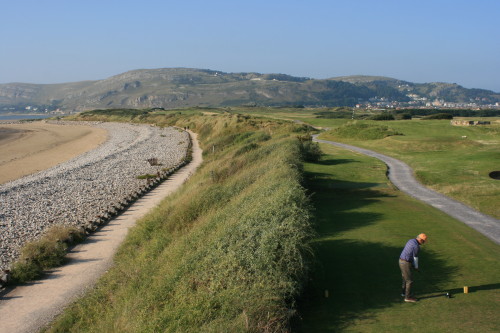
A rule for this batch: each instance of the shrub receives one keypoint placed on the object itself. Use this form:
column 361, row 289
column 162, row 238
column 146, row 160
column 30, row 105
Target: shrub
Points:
column 363, row 131
column 47, row 252
column 24, row 271
column 146, row 176
column 382, row 116
column 246, row 148
column 438, row 116
column 311, row 152
column 403, row 116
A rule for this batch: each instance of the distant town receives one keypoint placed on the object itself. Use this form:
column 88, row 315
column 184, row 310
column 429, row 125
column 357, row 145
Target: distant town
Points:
column 35, row 110
column 417, row 101
column 375, row 103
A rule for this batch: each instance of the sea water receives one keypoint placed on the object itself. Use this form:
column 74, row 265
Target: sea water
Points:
column 24, row 116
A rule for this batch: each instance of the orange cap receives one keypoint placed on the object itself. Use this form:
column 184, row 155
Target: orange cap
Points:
column 422, row 237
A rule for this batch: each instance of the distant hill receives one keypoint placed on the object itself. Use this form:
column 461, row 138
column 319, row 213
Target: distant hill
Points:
column 184, row 87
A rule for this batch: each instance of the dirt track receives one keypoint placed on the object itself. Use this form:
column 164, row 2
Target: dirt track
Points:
column 30, row 307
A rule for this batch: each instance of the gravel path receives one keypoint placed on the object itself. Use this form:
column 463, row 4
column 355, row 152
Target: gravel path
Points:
column 88, row 189
column 401, row 175
column 29, row 308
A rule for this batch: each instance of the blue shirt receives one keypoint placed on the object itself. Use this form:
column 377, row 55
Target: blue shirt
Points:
column 410, row 250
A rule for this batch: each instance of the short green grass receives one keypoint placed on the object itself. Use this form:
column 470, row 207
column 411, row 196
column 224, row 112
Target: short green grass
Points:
column 454, row 160
column 363, row 224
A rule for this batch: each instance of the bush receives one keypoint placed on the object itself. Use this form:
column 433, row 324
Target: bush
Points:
column 382, row 116
column 147, row 176
column 311, row 152
column 363, row 131
column 438, row 116
column 47, row 252
column 24, row 271
column 403, row 116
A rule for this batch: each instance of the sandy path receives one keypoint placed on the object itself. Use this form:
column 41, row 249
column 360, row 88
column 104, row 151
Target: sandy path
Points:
column 401, row 175
column 28, row 308
column 26, row 148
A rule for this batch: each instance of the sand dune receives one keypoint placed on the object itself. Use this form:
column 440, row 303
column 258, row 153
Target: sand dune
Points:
column 26, row 148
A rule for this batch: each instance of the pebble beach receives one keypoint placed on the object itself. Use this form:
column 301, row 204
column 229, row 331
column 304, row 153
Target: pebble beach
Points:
column 87, row 190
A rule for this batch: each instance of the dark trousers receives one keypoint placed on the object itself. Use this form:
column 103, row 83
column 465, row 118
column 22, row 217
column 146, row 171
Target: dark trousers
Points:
column 405, row 267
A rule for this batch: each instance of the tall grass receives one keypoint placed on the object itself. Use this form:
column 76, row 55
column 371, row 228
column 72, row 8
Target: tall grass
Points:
column 48, row 251
column 226, row 253
column 364, row 131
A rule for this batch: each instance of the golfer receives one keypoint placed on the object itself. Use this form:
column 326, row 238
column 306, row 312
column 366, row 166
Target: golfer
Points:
column 408, row 260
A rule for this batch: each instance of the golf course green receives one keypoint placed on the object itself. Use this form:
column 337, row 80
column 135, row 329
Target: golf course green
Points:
column 363, row 224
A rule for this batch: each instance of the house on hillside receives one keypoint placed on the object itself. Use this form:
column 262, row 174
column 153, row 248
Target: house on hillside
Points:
column 469, row 122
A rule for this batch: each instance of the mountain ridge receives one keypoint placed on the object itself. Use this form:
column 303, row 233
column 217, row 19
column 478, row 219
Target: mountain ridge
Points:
column 185, row 87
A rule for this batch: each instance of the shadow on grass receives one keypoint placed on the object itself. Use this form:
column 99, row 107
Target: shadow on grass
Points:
column 336, row 161
column 450, row 293
column 316, row 181
column 473, row 289
column 354, row 278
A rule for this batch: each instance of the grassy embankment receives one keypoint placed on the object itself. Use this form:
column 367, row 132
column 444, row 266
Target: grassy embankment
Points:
column 226, row 253
column 363, row 224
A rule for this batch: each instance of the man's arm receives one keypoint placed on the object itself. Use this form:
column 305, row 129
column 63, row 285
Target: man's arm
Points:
column 415, row 251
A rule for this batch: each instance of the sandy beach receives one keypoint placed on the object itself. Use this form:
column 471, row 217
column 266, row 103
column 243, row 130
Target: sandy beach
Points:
column 26, row 148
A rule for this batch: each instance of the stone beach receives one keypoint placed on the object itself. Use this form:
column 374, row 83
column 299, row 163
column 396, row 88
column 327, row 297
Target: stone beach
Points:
column 89, row 189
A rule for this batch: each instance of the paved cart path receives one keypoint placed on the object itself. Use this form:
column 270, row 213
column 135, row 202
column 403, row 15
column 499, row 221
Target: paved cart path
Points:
column 401, row 175
column 30, row 307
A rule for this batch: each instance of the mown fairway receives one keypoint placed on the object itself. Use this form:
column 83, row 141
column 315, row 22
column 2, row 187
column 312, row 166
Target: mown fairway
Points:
column 453, row 160
column 362, row 225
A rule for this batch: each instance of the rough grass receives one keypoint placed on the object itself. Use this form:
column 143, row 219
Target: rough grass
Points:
column 47, row 252
column 363, row 131
column 362, row 226
column 226, row 253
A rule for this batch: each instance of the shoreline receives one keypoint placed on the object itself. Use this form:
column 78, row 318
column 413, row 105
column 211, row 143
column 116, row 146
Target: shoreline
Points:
column 27, row 148
column 31, row 307
column 87, row 190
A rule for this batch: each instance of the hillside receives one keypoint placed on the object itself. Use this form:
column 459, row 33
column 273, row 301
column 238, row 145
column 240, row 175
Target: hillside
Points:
column 183, row 87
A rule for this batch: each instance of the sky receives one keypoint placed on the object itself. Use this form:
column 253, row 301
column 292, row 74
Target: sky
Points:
column 56, row 41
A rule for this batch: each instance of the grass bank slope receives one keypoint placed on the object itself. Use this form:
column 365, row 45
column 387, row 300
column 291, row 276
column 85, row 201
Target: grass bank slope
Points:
column 362, row 225
column 226, row 253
